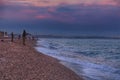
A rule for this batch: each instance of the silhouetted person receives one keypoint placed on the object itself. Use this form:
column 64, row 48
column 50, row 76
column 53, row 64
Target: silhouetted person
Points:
column 24, row 36
column 19, row 36
column 12, row 37
column 33, row 38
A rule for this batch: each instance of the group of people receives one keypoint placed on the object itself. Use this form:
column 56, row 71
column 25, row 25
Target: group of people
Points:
column 24, row 34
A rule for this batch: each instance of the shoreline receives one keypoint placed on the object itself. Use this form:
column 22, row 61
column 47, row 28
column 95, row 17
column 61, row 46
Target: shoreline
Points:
column 26, row 63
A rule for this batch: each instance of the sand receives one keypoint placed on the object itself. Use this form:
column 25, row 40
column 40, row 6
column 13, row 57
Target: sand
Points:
column 18, row 62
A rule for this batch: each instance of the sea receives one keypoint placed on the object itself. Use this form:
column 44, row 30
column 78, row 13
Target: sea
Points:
column 93, row 59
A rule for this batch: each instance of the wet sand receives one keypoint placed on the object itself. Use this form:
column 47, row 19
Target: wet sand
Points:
column 18, row 62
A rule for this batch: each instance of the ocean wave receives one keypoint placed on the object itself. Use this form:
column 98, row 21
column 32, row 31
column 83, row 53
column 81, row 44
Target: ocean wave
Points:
column 86, row 63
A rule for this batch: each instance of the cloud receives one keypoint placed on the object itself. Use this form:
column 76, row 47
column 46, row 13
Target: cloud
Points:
column 41, row 17
column 64, row 18
column 117, row 1
column 1, row 2
column 65, row 13
column 29, row 11
column 10, row 12
column 50, row 3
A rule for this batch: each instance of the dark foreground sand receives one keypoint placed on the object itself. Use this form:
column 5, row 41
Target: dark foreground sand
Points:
column 18, row 62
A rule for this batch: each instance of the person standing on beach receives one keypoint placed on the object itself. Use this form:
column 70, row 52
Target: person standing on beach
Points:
column 19, row 36
column 24, row 36
column 12, row 37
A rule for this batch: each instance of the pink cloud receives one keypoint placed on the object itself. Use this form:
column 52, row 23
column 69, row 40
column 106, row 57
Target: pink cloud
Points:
column 1, row 2
column 51, row 9
column 18, row 15
column 50, row 3
column 29, row 11
column 42, row 16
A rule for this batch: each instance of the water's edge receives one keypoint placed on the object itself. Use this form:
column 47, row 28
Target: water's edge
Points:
column 89, row 71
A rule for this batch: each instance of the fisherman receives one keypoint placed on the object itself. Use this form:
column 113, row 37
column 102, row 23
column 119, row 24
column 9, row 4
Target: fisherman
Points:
column 24, row 36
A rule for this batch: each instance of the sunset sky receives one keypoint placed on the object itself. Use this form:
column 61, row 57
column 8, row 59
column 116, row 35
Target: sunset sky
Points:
column 61, row 17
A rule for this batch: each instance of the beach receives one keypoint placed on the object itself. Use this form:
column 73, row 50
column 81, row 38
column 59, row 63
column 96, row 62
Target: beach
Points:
column 18, row 62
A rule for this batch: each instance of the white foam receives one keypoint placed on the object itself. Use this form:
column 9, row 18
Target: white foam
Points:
column 90, row 71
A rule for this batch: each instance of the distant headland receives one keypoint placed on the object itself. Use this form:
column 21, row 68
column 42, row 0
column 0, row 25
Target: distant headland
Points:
column 77, row 37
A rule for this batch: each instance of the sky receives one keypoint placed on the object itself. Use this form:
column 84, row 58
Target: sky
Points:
column 61, row 17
